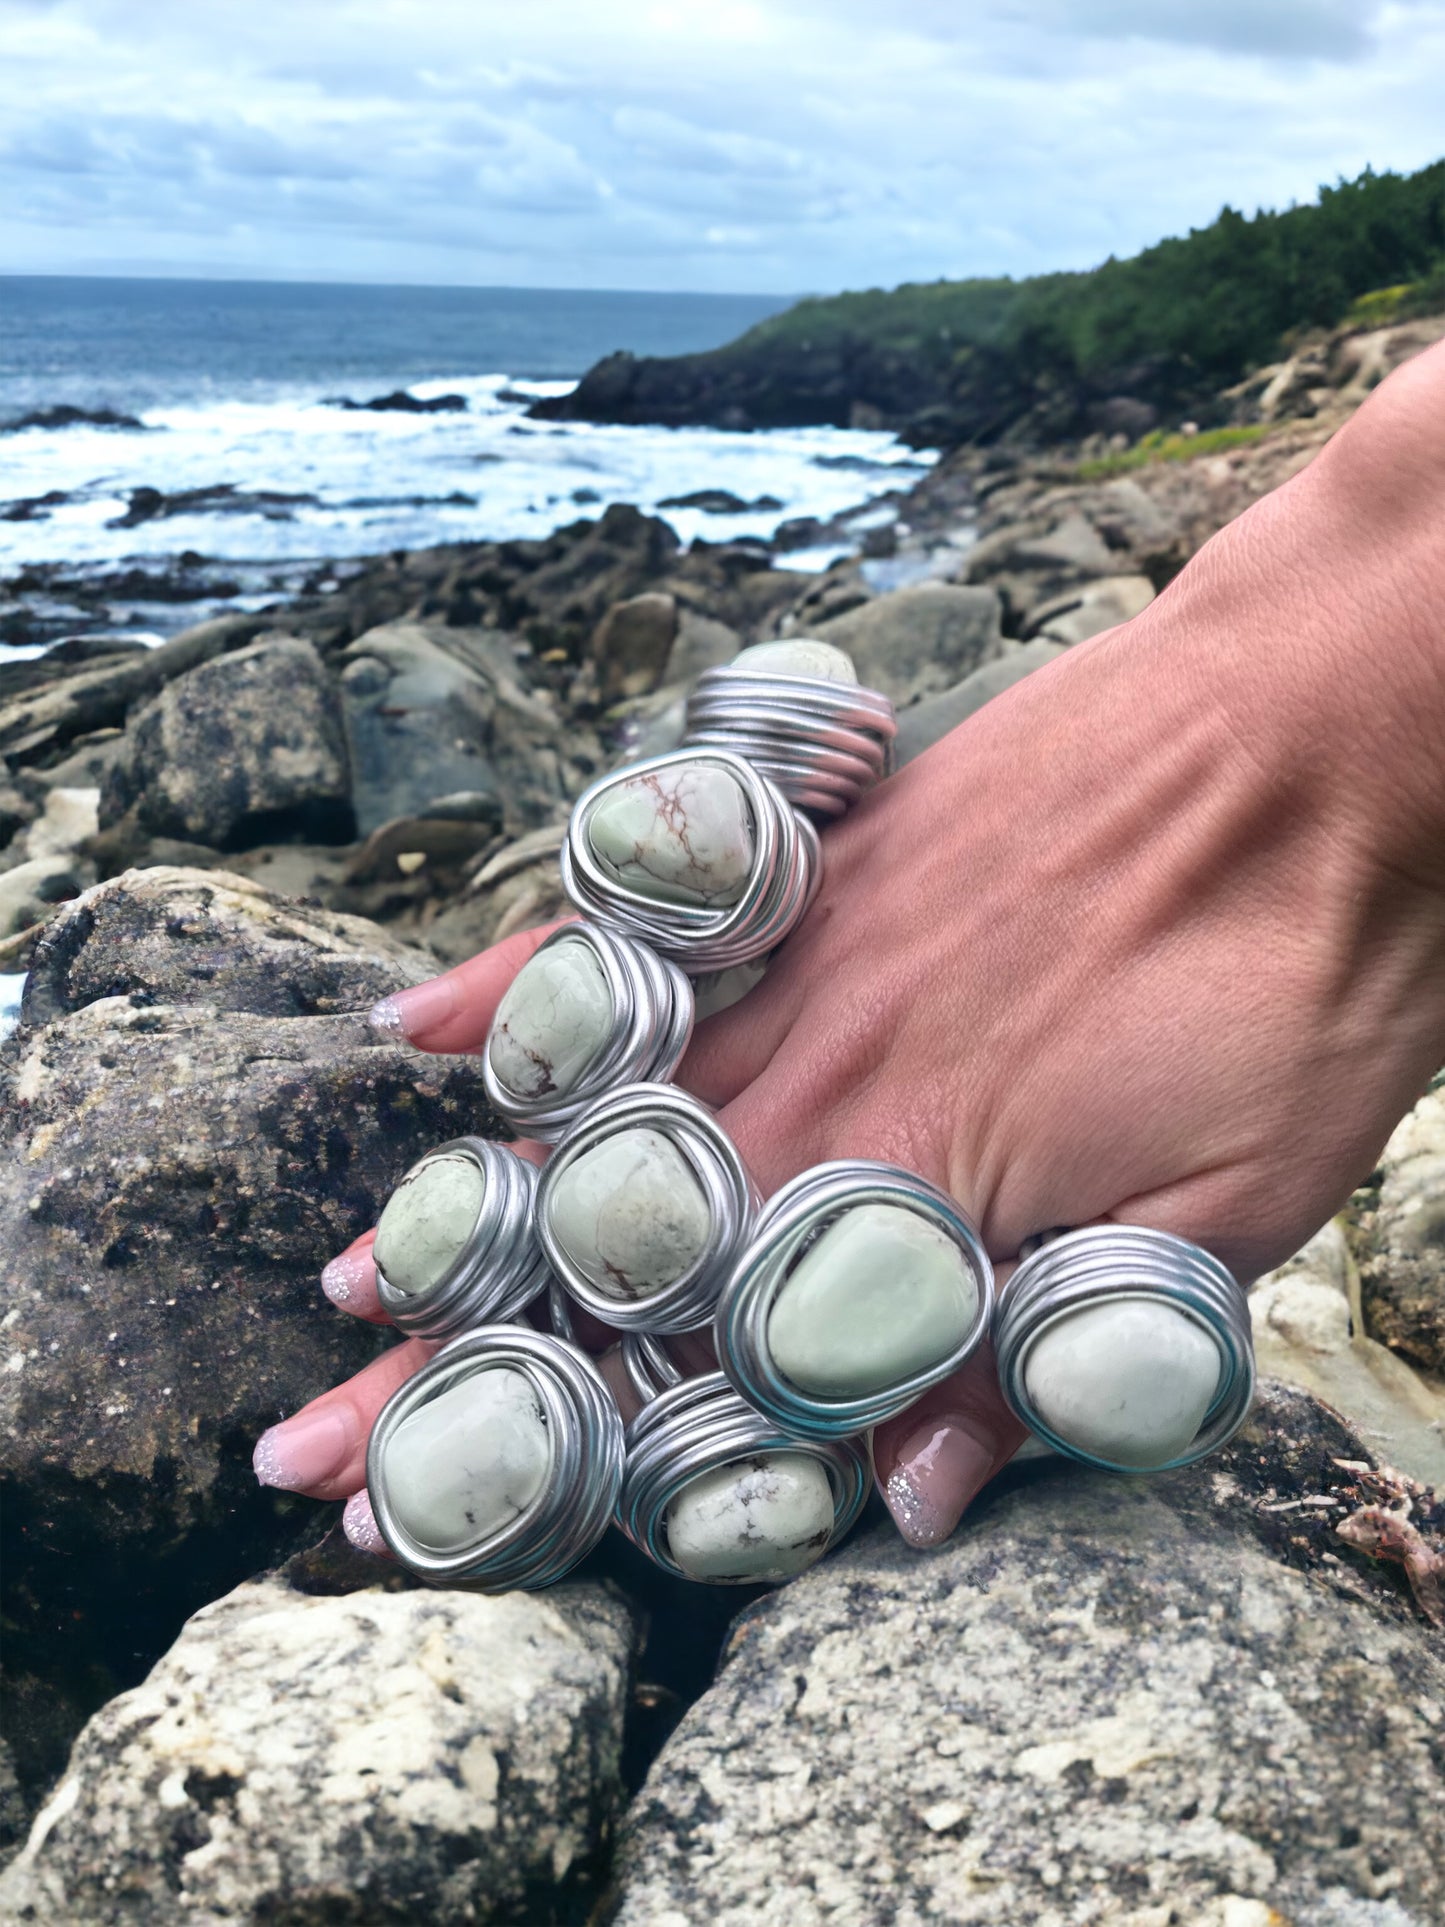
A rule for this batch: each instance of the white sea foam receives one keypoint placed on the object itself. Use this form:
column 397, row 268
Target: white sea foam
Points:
column 12, row 987
column 383, row 481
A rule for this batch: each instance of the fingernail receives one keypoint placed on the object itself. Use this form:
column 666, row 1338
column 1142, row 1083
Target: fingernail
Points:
column 350, row 1279
column 412, row 1013
column 303, row 1451
column 940, row 1469
column 358, row 1522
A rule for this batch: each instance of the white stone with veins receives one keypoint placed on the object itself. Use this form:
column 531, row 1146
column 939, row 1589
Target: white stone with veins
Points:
column 555, row 1017
column 1128, row 1381
column 682, row 834
column 427, row 1220
column 761, row 1518
column 469, row 1460
column 630, row 1213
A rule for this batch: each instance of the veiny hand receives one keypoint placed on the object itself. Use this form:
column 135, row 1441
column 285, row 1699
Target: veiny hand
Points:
column 1159, row 936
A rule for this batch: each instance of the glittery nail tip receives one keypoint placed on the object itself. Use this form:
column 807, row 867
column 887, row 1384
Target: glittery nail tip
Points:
column 267, row 1463
column 341, row 1279
column 358, row 1522
column 385, row 1017
column 918, row 1521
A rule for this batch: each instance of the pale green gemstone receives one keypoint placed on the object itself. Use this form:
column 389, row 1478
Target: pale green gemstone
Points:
column 798, row 656
column 881, row 1295
column 427, row 1220
column 681, row 834
column 1128, row 1381
column 468, row 1461
column 630, row 1214
column 757, row 1519
column 555, row 1017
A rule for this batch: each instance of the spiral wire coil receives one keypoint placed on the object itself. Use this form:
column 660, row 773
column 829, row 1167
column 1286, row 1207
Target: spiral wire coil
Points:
column 652, row 1012
column 785, row 873
column 584, row 1479
column 498, row 1271
column 731, row 1196
column 700, row 1425
column 1113, row 1262
column 792, row 1220
column 824, row 743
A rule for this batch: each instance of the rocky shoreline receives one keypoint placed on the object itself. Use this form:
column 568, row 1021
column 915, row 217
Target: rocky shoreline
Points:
column 216, row 854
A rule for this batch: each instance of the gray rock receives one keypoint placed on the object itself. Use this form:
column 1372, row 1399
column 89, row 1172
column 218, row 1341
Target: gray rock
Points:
column 920, row 727
column 629, row 649
column 379, row 1757
column 29, row 892
column 243, row 750
column 702, row 643
column 1403, row 1263
column 1103, row 1700
column 192, row 1121
column 1091, row 608
column 519, row 887
column 917, row 641
column 63, row 826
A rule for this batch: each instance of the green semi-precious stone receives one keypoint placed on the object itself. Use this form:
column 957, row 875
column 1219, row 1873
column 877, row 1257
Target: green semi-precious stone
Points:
column 427, row 1220
column 760, row 1518
column 468, row 1461
column 797, row 656
column 630, row 1214
column 554, row 1019
column 1128, row 1380
column 882, row 1294
column 682, row 834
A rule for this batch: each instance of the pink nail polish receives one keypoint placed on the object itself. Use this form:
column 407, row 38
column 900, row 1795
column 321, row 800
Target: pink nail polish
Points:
column 350, row 1280
column 940, row 1469
column 358, row 1522
column 303, row 1451
column 411, row 1013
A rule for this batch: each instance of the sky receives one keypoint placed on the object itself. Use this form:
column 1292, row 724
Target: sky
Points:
column 778, row 146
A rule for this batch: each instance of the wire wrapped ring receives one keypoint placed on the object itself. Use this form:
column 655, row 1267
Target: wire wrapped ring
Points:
column 789, row 1222
column 584, row 1479
column 824, row 743
column 498, row 1271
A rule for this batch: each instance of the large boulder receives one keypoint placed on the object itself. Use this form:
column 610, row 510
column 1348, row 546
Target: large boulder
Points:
column 1104, row 1700
column 245, row 749
column 916, row 641
column 1403, row 1267
column 630, row 647
column 375, row 1757
column 194, row 1117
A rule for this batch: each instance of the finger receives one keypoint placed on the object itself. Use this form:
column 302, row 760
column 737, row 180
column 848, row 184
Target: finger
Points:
column 933, row 1460
column 728, row 1051
column 321, row 1450
column 349, row 1281
column 454, row 1012
column 358, row 1522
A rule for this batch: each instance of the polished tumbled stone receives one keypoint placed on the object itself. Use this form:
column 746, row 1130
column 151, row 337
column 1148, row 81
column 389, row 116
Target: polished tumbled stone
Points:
column 554, row 1019
column 799, row 656
column 427, row 1220
column 469, row 1461
column 882, row 1294
column 757, row 1519
column 630, row 1214
column 682, row 834
column 1128, row 1381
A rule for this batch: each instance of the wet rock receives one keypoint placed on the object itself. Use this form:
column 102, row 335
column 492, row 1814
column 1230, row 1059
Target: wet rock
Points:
column 401, row 402
column 66, row 415
column 1102, row 1700
column 917, row 641
column 193, row 1119
column 224, row 498
column 244, row 750
column 374, row 1756
column 630, row 647
column 926, row 723
column 1308, row 1331
column 1403, row 1247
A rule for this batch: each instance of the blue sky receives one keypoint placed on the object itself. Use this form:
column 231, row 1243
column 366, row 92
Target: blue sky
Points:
column 770, row 145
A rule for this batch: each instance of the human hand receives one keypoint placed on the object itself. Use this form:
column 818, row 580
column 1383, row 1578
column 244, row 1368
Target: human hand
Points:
column 1156, row 936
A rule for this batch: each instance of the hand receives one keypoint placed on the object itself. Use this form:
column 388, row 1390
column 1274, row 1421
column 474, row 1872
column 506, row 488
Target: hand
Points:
column 1156, row 936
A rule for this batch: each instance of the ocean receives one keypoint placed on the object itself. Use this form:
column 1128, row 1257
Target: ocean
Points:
column 248, row 398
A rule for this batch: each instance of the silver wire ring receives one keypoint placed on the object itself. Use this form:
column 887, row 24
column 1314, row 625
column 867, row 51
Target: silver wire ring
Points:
column 498, row 1271
column 1107, row 1263
column 700, row 1425
column 584, row 1478
column 824, row 743
column 793, row 1219
column 652, row 1011
column 786, row 871
column 732, row 1198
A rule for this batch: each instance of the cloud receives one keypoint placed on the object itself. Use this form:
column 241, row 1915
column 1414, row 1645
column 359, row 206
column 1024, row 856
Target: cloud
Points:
column 715, row 144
